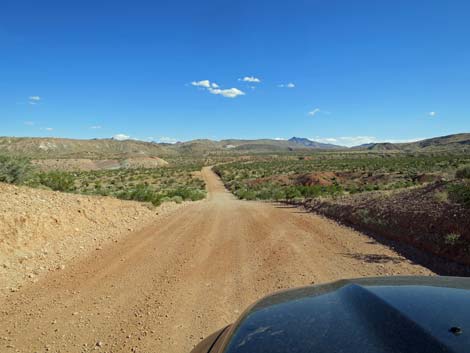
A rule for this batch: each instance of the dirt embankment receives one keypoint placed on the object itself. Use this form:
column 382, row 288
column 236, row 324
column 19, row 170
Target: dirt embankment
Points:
column 423, row 217
column 41, row 231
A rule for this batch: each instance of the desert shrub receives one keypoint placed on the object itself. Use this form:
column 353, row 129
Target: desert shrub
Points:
column 177, row 199
column 451, row 239
column 364, row 215
column 182, row 192
column 146, row 185
column 14, row 170
column 312, row 191
column 463, row 173
column 186, row 193
column 246, row 194
column 197, row 195
column 165, row 199
column 265, row 194
column 460, row 193
column 292, row 192
column 141, row 192
column 278, row 195
column 57, row 180
column 441, row 196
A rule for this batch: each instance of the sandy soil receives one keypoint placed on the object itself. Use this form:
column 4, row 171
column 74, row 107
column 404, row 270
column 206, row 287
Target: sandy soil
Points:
column 165, row 287
column 42, row 231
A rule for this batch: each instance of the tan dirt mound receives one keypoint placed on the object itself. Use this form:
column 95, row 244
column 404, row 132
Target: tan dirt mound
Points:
column 144, row 162
column 41, row 230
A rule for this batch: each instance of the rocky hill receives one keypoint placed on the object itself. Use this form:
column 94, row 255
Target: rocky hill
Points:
column 312, row 144
column 456, row 142
column 46, row 148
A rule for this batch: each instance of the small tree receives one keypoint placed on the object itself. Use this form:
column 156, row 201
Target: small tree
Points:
column 460, row 193
column 292, row 193
column 14, row 170
column 463, row 172
column 58, row 181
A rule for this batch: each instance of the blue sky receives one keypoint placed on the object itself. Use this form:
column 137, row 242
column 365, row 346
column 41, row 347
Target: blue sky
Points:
column 346, row 72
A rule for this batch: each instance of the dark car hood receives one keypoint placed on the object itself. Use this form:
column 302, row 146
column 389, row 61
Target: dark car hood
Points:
column 394, row 314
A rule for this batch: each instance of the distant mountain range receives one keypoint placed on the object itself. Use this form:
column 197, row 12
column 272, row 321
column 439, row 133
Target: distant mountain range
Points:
column 35, row 147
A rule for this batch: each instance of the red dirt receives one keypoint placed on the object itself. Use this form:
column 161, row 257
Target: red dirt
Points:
column 422, row 217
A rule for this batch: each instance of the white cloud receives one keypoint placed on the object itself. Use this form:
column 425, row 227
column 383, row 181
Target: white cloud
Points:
column 34, row 100
column 432, row 114
column 350, row 141
column 228, row 93
column 46, row 128
column 286, row 85
column 328, row 140
column 403, row 140
column 203, row 83
column 166, row 139
column 250, row 79
column 95, row 127
column 29, row 123
column 214, row 88
column 121, row 137
column 280, row 139
column 314, row 111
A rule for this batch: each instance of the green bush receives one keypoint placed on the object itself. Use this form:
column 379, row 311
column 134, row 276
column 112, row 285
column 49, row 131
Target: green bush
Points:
column 197, row 195
column 177, row 199
column 246, row 194
column 14, row 170
column 451, row 238
column 186, row 193
column 141, row 192
column 278, row 195
column 292, row 192
column 460, row 193
column 57, row 180
column 463, row 173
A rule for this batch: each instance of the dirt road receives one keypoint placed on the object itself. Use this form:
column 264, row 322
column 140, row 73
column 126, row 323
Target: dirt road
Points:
column 165, row 287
